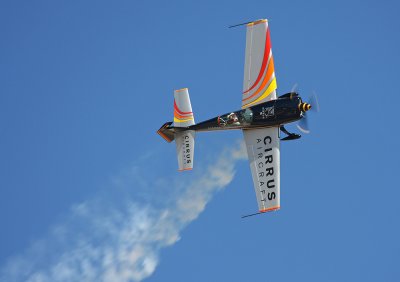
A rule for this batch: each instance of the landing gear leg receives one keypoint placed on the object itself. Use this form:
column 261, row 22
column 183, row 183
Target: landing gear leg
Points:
column 290, row 136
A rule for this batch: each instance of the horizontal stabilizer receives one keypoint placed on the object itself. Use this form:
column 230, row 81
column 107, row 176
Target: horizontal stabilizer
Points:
column 185, row 149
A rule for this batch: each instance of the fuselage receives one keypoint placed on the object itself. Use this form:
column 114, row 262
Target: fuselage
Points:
column 273, row 113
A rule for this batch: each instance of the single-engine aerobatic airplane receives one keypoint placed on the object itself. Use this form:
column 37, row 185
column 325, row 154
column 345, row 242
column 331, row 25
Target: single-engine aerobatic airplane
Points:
column 261, row 118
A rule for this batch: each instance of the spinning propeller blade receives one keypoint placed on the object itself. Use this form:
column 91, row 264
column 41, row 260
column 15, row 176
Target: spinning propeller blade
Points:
column 313, row 101
column 303, row 124
column 294, row 87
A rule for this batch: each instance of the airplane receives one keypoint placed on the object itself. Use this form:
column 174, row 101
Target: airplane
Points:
column 262, row 117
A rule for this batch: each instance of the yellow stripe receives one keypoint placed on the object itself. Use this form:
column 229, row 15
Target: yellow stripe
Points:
column 272, row 86
column 182, row 120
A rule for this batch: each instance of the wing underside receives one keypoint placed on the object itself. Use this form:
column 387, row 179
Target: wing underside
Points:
column 264, row 158
column 259, row 83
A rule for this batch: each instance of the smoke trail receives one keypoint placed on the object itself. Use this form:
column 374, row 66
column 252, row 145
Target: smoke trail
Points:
column 119, row 239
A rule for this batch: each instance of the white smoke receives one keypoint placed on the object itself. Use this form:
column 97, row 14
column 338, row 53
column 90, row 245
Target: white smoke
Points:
column 119, row 238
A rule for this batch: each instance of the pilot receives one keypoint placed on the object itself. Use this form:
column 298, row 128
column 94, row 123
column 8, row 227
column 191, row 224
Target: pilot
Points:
column 233, row 119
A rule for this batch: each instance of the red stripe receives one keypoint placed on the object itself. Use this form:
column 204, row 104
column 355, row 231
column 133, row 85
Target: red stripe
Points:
column 182, row 113
column 267, row 50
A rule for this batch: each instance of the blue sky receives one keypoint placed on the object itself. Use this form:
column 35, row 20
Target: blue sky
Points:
column 85, row 85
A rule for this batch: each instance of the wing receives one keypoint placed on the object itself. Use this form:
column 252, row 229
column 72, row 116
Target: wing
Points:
column 259, row 83
column 264, row 157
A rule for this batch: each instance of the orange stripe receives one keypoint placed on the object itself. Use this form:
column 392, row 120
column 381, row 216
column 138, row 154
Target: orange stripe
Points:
column 267, row 77
column 271, row 87
column 177, row 115
column 270, row 209
column 182, row 89
column 184, row 169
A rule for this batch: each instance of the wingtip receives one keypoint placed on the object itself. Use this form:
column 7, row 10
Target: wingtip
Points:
column 182, row 89
column 249, row 23
column 270, row 209
column 257, row 22
column 185, row 169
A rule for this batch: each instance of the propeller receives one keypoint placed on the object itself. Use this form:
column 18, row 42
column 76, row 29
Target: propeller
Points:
column 294, row 88
column 313, row 101
column 293, row 93
column 303, row 125
column 312, row 105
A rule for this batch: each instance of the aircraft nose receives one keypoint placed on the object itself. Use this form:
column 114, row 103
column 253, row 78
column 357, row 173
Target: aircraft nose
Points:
column 304, row 107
